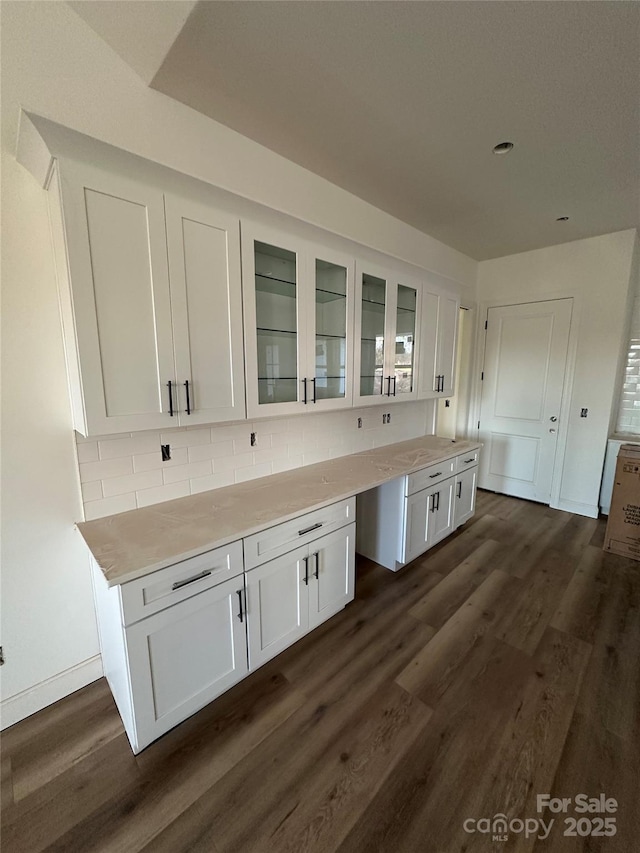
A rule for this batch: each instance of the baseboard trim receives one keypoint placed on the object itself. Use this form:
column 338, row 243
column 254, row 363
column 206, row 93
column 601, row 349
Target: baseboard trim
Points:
column 578, row 508
column 23, row 704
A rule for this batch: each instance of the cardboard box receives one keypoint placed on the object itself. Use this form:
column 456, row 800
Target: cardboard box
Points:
column 623, row 528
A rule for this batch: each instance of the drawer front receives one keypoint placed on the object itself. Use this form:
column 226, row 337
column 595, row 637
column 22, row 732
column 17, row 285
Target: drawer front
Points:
column 166, row 587
column 282, row 538
column 430, row 476
column 467, row 460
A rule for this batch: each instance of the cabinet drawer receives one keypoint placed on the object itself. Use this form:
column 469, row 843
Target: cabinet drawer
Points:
column 467, row 460
column 277, row 540
column 166, row 587
column 430, row 476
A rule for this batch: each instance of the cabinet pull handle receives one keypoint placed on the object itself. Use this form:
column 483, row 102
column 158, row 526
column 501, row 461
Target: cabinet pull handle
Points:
column 314, row 390
column 186, row 388
column 432, row 508
column 169, row 386
column 309, row 529
column 437, row 474
column 240, row 614
column 466, row 461
column 317, row 556
column 389, row 386
column 437, row 495
column 460, row 489
column 394, row 385
column 179, row 584
column 304, row 382
column 306, row 570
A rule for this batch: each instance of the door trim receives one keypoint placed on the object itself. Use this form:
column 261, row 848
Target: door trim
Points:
column 555, row 501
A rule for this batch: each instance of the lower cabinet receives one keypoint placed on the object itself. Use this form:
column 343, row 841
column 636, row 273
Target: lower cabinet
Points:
column 183, row 657
column 175, row 639
column 401, row 519
column 291, row 595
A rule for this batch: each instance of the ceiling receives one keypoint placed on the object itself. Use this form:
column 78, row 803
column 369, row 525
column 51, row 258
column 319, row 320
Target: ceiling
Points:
column 402, row 102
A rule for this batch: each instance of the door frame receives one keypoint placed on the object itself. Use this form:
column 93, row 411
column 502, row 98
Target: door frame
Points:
column 475, row 391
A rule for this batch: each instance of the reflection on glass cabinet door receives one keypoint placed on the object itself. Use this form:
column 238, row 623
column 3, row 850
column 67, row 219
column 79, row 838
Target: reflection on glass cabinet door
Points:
column 277, row 326
column 405, row 338
column 372, row 354
column 331, row 331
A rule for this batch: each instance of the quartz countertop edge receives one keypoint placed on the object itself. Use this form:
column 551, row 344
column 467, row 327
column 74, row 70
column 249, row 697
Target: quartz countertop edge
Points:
column 136, row 543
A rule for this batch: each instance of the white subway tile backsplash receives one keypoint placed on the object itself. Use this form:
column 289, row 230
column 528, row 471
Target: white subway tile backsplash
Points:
column 105, row 468
column 88, row 452
column 212, row 481
column 120, row 472
column 262, row 470
column 162, row 493
column 210, row 451
column 92, row 491
column 109, row 506
column 152, row 461
column 187, row 438
column 131, row 483
column 186, row 472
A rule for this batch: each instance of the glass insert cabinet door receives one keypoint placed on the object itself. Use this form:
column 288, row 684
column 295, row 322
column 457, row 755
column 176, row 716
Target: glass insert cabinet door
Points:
column 373, row 308
column 405, row 336
column 331, row 323
column 276, row 297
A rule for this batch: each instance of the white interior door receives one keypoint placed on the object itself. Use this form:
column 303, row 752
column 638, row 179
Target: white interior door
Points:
column 524, row 371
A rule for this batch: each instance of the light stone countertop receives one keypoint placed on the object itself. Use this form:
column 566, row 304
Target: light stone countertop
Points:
column 135, row 543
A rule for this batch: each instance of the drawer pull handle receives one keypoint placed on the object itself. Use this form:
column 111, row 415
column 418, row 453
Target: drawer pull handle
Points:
column 437, row 474
column 239, row 594
column 179, row 584
column 309, row 529
column 466, row 461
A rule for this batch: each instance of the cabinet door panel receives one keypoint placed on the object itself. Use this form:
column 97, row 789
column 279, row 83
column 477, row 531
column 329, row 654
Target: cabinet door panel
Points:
column 330, row 330
column 332, row 569
column 428, row 345
column 418, row 520
column 372, row 335
column 465, row 496
column 120, row 286
column 442, row 523
column 403, row 343
column 206, row 301
column 277, row 605
column 182, row 658
column 447, row 337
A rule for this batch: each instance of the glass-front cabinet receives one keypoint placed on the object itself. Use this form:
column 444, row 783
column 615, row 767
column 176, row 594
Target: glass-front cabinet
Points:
column 386, row 329
column 298, row 312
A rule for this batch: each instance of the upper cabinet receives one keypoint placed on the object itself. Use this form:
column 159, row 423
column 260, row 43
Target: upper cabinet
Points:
column 386, row 336
column 438, row 336
column 150, row 290
column 298, row 303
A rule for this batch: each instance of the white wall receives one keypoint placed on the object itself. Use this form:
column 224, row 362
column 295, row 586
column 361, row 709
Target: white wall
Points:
column 54, row 65
column 596, row 272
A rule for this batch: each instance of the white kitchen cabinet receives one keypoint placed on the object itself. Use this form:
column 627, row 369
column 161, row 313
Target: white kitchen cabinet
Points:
column 465, row 496
column 183, row 657
column 403, row 518
column 438, row 337
column 173, row 640
column 150, row 292
column 294, row 593
column 386, row 336
column 298, row 311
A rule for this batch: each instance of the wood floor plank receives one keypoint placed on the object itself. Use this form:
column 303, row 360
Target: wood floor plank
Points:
column 450, row 653
column 442, row 601
column 584, row 598
column 6, row 782
column 523, row 625
column 423, row 804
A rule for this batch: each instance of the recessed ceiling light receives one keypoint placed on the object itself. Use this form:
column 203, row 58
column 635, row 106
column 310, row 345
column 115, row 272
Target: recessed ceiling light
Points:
column 562, row 219
column 502, row 147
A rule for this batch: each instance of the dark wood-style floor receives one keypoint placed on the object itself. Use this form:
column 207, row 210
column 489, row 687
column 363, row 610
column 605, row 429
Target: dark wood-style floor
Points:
column 503, row 664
